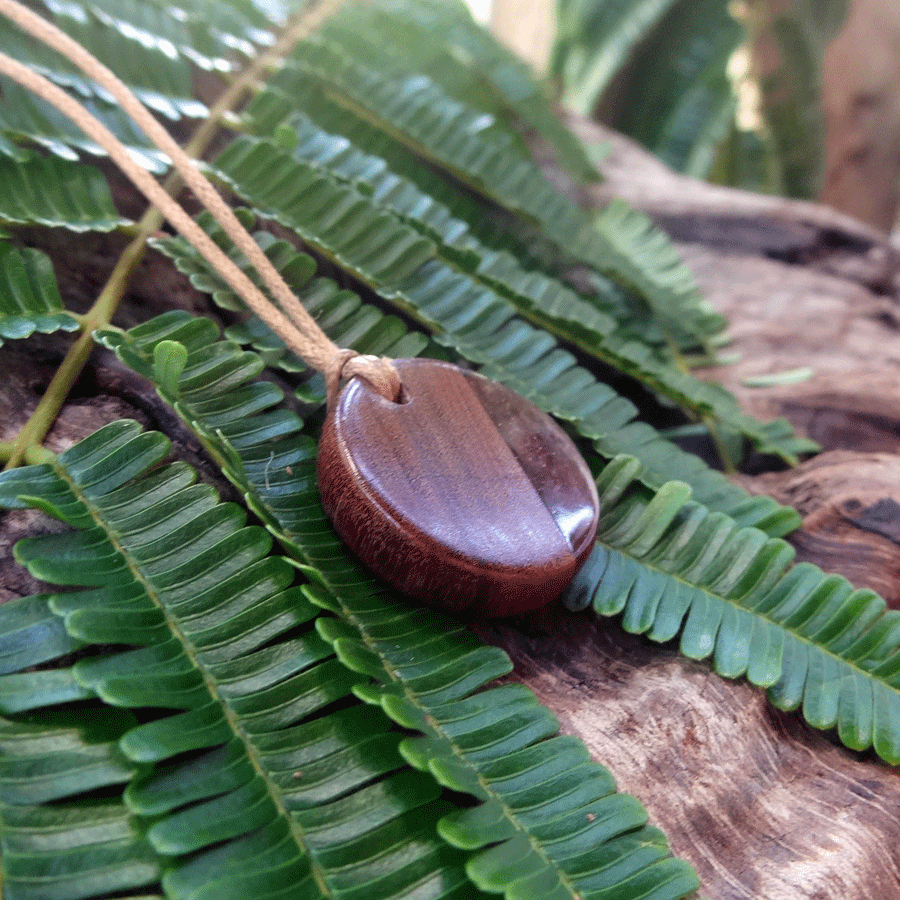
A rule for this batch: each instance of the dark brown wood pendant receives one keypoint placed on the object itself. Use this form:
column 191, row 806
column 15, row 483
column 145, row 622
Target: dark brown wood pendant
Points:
column 463, row 494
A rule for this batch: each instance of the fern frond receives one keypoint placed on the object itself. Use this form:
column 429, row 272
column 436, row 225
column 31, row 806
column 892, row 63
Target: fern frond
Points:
column 25, row 118
column 694, row 42
column 671, row 568
column 106, row 849
column 682, row 118
column 56, row 193
column 464, row 143
column 542, row 300
column 592, row 43
column 249, row 773
column 442, row 41
column 273, row 107
column 648, row 261
column 549, row 817
column 159, row 81
column 29, row 295
column 541, row 797
column 182, row 27
column 340, row 312
column 58, row 851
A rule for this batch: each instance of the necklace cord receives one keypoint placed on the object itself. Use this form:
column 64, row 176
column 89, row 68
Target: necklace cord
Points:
column 292, row 323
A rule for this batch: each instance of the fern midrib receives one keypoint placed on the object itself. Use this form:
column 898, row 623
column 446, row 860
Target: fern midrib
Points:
column 190, row 652
column 735, row 603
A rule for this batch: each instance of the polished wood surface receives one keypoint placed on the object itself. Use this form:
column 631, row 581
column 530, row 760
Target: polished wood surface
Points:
column 463, row 495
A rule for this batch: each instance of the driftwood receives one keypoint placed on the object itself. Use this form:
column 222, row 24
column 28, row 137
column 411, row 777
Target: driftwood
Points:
column 763, row 806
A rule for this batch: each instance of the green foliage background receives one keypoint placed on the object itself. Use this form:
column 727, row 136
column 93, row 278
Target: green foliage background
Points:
column 658, row 71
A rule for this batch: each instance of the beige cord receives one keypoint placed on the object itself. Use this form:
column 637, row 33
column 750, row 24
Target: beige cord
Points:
column 295, row 326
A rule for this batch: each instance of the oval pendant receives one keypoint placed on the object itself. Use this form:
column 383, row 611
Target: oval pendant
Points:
column 463, row 494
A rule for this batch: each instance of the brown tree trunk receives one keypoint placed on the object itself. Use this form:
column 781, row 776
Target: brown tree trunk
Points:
column 861, row 98
column 527, row 28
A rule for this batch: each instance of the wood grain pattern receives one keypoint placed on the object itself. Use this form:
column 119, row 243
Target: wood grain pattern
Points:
column 464, row 495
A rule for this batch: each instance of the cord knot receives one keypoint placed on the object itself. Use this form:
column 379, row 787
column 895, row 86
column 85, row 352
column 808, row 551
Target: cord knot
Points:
column 378, row 371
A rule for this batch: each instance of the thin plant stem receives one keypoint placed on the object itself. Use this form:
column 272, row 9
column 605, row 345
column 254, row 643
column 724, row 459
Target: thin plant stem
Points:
column 34, row 431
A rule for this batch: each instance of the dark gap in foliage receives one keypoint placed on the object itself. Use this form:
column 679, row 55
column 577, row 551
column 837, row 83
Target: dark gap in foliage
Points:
column 146, row 714
column 702, row 445
column 755, row 463
column 91, row 650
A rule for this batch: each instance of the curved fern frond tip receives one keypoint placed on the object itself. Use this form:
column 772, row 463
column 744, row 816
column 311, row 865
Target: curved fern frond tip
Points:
column 673, row 570
column 29, row 295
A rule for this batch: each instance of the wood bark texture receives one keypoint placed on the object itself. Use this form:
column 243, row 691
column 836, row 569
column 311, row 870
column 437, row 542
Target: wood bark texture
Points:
column 763, row 806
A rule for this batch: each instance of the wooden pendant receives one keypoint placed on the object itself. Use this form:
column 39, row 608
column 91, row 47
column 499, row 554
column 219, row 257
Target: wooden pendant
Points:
column 463, row 494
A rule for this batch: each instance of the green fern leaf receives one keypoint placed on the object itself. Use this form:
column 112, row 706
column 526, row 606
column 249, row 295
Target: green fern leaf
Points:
column 592, row 43
column 339, row 311
column 464, row 142
column 272, row 108
column 671, row 568
column 106, row 849
column 25, row 118
column 160, row 82
column 180, row 27
column 57, row 194
column 696, row 130
column 647, row 261
column 281, row 789
column 491, row 744
column 791, row 103
column 442, row 41
column 694, row 42
column 682, row 118
column 546, row 302
column 36, row 636
column 29, row 296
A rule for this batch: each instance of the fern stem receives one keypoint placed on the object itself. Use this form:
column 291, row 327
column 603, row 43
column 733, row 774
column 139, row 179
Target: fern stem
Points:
column 725, row 456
